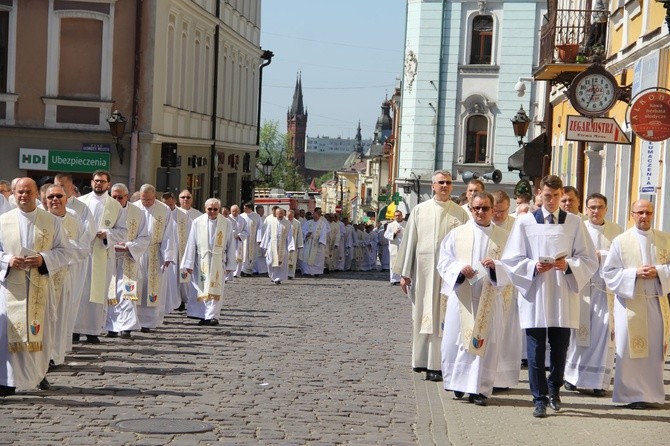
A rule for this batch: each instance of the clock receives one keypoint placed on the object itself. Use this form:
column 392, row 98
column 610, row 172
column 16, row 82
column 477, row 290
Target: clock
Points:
column 594, row 91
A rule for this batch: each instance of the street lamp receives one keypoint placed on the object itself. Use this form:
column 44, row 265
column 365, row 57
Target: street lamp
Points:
column 117, row 127
column 520, row 123
column 267, row 167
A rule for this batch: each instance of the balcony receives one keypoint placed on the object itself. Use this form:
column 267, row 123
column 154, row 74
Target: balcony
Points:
column 569, row 42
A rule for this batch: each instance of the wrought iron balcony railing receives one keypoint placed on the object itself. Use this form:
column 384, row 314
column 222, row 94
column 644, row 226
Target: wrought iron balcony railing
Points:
column 572, row 33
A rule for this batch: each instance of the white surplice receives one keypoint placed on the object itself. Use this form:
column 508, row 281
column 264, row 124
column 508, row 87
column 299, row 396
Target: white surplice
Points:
column 176, row 292
column 278, row 244
column 314, row 251
column 394, row 232
column 294, row 256
column 639, row 379
column 592, row 366
column 250, row 244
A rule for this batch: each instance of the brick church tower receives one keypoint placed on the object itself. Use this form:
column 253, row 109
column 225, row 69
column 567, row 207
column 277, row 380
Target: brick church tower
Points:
column 296, row 126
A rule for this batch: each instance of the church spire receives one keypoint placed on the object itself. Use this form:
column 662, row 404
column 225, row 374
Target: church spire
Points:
column 297, row 108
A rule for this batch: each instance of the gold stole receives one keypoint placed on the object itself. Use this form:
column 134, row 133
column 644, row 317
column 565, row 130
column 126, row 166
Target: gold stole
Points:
column 26, row 313
column 210, row 286
column 100, row 255
column 475, row 329
column 130, row 266
column 277, row 243
column 293, row 255
column 160, row 215
column 636, row 308
column 314, row 243
column 583, row 333
column 443, row 222
column 182, row 235
column 251, row 243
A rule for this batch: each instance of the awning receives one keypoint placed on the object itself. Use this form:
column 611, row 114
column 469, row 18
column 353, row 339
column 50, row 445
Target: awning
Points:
column 381, row 215
column 529, row 159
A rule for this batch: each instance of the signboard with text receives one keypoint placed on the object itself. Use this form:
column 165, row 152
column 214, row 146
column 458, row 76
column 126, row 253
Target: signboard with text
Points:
column 650, row 115
column 95, row 147
column 650, row 160
column 62, row 160
column 603, row 130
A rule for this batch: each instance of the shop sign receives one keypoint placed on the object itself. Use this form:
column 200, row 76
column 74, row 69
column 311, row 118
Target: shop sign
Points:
column 650, row 116
column 604, row 130
column 649, row 164
column 62, row 160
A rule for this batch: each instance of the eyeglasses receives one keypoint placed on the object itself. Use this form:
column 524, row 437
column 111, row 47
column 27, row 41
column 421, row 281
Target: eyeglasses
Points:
column 641, row 213
column 185, row 197
column 443, row 182
column 212, row 209
column 481, row 208
column 100, row 181
column 51, row 197
column 596, row 208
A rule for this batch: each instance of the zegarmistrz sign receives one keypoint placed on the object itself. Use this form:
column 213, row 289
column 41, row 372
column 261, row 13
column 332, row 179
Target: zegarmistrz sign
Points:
column 62, row 160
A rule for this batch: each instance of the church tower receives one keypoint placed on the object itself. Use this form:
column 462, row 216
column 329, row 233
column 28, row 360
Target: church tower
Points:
column 296, row 126
column 359, row 141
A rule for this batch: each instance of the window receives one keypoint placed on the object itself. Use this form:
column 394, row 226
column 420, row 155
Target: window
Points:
column 482, row 40
column 4, row 49
column 476, row 138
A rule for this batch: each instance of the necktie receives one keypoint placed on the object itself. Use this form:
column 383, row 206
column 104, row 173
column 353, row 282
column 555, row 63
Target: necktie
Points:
column 550, row 219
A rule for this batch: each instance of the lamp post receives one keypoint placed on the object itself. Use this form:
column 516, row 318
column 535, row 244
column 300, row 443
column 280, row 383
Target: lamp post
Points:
column 267, row 167
column 666, row 5
column 117, row 127
column 520, row 123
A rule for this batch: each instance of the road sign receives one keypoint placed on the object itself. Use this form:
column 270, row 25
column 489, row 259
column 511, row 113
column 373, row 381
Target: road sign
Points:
column 604, row 130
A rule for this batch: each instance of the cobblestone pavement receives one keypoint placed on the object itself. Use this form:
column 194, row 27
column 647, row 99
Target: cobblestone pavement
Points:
column 316, row 361
column 312, row 361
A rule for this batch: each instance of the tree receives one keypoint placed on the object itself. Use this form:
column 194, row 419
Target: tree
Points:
column 274, row 146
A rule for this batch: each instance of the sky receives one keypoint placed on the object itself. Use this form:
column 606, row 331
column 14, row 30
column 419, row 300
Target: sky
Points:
column 349, row 54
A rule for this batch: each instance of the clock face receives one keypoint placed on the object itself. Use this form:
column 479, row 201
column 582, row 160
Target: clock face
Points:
column 594, row 94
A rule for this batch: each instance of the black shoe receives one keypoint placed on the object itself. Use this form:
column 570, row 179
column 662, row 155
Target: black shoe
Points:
column 555, row 402
column 458, row 394
column 214, row 322
column 7, row 391
column 44, row 384
column 204, row 322
column 569, row 386
column 112, row 334
column 524, row 363
column 433, row 375
column 181, row 307
column 477, row 399
column 419, row 369
column 599, row 392
column 277, row 282
column 540, row 409
column 92, row 339
column 126, row 334
column 145, row 330
column 638, row 405
column 75, row 337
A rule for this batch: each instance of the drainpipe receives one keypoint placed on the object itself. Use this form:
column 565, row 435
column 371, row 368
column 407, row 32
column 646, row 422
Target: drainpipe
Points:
column 215, row 94
column 134, row 134
column 267, row 58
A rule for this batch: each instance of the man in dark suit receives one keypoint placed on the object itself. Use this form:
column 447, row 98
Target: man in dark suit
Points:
column 550, row 257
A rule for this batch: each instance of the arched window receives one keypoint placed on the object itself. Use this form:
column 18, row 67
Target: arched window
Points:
column 482, row 40
column 475, row 140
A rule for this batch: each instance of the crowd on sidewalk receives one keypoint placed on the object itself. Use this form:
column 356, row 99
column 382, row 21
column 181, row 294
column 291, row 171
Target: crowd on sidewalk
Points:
column 547, row 287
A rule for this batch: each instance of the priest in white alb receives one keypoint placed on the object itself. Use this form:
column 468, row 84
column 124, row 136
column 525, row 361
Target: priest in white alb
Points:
column 296, row 233
column 427, row 225
column 316, row 238
column 209, row 256
column 278, row 245
column 393, row 233
column 590, row 360
column 469, row 265
column 250, row 244
column 32, row 246
column 637, row 270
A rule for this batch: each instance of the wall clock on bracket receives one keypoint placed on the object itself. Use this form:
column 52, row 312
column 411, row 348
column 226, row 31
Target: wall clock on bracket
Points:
column 593, row 92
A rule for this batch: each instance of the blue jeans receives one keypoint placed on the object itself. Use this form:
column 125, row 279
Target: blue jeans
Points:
column 536, row 343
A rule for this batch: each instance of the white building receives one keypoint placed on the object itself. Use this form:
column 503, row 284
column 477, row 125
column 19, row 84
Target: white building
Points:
column 462, row 62
column 324, row 144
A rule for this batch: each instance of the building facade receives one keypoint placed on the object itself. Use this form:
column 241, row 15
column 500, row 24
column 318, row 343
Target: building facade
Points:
column 463, row 60
column 182, row 72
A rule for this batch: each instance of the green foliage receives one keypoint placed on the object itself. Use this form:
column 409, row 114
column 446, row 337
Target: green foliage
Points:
column 275, row 146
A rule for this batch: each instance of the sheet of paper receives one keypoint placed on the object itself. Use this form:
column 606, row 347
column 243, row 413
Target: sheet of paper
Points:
column 25, row 252
column 481, row 273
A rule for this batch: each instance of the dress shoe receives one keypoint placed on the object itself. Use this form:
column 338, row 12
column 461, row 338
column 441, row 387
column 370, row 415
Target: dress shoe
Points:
column 555, row 402
column 277, row 282
column 7, row 391
column 92, row 339
column 419, row 369
column 145, row 330
column 395, row 283
column 569, row 386
column 599, row 392
column 433, row 375
column 500, row 389
column 477, row 399
column 638, row 405
column 540, row 409
column 203, row 322
column 126, row 334
column 458, row 394
column 214, row 322
column 75, row 337
column 181, row 307
column 44, row 384
column 112, row 334
column 524, row 363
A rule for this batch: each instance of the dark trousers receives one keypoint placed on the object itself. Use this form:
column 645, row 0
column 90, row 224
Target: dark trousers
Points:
column 536, row 342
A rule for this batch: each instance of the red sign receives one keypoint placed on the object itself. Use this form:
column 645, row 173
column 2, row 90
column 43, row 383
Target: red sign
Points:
column 338, row 209
column 650, row 116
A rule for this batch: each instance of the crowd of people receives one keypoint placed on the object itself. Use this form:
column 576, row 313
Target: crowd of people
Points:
column 546, row 287
column 543, row 286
